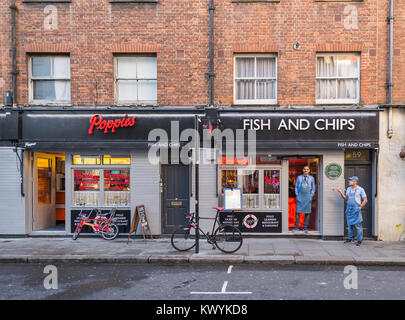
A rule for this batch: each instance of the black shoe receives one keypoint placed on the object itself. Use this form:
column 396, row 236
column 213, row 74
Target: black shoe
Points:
column 348, row 241
column 358, row 243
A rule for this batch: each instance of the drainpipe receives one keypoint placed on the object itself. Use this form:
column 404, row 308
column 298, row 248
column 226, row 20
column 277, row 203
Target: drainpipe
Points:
column 211, row 73
column 390, row 131
column 14, row 71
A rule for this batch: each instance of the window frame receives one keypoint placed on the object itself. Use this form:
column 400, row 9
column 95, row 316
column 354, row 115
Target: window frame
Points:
column 260, row 168
column 116, row 79
column 31, row 80
column 338, row 101
column 255, row 101
column 101, row 167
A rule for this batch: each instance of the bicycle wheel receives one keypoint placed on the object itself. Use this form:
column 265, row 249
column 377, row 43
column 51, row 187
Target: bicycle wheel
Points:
column 182, row 239
column 228, row 239
column 77, row 231
column 112, row 232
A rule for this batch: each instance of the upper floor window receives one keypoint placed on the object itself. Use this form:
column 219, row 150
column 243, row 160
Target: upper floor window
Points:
column 255, row 79
column 338, row 78
column 136, row 79
column 49, row 79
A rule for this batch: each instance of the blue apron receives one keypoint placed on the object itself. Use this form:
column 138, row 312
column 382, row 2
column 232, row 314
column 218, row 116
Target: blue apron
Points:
column 353, row 211
column 304, row 198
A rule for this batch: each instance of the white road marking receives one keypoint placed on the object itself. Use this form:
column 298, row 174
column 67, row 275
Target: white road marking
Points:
column 223, row 290
column 229, row 292
column 224, row 286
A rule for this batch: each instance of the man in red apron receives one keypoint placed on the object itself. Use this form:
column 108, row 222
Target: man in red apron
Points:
column 356, row 200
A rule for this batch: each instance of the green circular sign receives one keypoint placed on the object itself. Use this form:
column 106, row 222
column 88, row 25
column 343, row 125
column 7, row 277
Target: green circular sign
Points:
column 333, row 170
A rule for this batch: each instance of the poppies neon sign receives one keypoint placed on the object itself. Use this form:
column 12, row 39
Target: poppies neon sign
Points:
column 97, row 122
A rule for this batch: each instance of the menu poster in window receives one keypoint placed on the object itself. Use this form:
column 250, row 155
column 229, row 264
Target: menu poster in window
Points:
column 86, row 180
column 232, row 199
column 122, row 220
column 116, row 180
column 254, row 222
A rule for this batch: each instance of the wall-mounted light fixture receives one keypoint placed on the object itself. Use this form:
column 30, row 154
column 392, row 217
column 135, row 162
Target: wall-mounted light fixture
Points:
column 402, row 153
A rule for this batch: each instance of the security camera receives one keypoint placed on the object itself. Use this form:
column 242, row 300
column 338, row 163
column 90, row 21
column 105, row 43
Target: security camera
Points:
column 297, row 46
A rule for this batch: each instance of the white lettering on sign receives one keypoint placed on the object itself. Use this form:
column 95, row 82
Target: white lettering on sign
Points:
column 334, row 124
column 256, row 124
column 300, row 124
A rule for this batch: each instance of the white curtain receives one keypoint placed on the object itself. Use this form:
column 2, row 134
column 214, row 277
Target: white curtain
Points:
column 62, row 90
column 146, row 68
column 245, row 67
column 265, row 68
column 337, row 67
column 245, row 89
column 127, row 90
column 265, row 89
column 126, row 67
column 326, row 66
column 147, row 90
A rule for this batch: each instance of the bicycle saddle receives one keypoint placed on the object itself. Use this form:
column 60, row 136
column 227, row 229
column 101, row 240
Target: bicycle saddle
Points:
column 218, row 208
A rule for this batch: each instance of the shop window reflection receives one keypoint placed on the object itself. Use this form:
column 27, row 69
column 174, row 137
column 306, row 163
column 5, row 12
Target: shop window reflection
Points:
column 229, row 179
column 250, row 184
column 44, row 170
column 85, row 160
column 116, row 187
column 86, row 187
column 271, row 194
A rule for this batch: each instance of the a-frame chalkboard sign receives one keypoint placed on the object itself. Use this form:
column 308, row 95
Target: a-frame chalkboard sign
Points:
column 140, row 217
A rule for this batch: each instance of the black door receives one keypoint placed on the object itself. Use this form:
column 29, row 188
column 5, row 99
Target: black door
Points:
column 365, row 180
column 175, row 196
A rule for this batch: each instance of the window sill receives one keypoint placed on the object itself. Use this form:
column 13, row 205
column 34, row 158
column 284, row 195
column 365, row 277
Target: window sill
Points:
column 339, row 0
column 48, row 104
column 40, row 1
column 248, row 1
column 337, row 102
column 259, row 104
column 133, row 1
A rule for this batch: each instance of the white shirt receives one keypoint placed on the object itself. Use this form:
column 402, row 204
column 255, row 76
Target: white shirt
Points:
column 359, row 194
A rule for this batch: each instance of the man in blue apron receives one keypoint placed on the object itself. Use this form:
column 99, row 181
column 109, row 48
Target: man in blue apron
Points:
column 304, row 191
column 356, row 200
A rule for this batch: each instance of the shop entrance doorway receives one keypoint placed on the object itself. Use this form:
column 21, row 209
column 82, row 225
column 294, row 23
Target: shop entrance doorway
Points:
column 175, row 196
column 295, row 167
column 48, row 196
column 358, row 163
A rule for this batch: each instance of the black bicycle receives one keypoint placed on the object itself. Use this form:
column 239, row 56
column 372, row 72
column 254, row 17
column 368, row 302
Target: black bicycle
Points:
column 226, row 238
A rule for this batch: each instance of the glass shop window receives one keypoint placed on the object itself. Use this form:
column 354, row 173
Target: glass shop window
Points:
column 250, row 188
column 116, row 187
column 44, row 167
column 86, row 187
column 49, row 79
column 86, row 160
column 229, row 179
column 271, row 194
column 113, row 160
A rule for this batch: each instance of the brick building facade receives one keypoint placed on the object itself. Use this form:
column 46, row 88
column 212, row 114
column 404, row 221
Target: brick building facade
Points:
column 94, row 33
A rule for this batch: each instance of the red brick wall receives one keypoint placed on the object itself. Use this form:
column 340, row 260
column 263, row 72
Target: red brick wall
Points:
column 5, row 51
column 399, row 53
column 92, row 30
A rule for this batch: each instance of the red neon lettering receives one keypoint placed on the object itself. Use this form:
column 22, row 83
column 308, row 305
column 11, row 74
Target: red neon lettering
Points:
column 97, row 122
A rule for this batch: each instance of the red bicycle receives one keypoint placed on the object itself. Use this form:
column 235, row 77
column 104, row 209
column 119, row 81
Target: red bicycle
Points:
column 100, row 224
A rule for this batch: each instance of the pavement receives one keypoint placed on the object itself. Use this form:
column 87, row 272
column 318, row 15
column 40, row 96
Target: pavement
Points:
column 279, row 251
